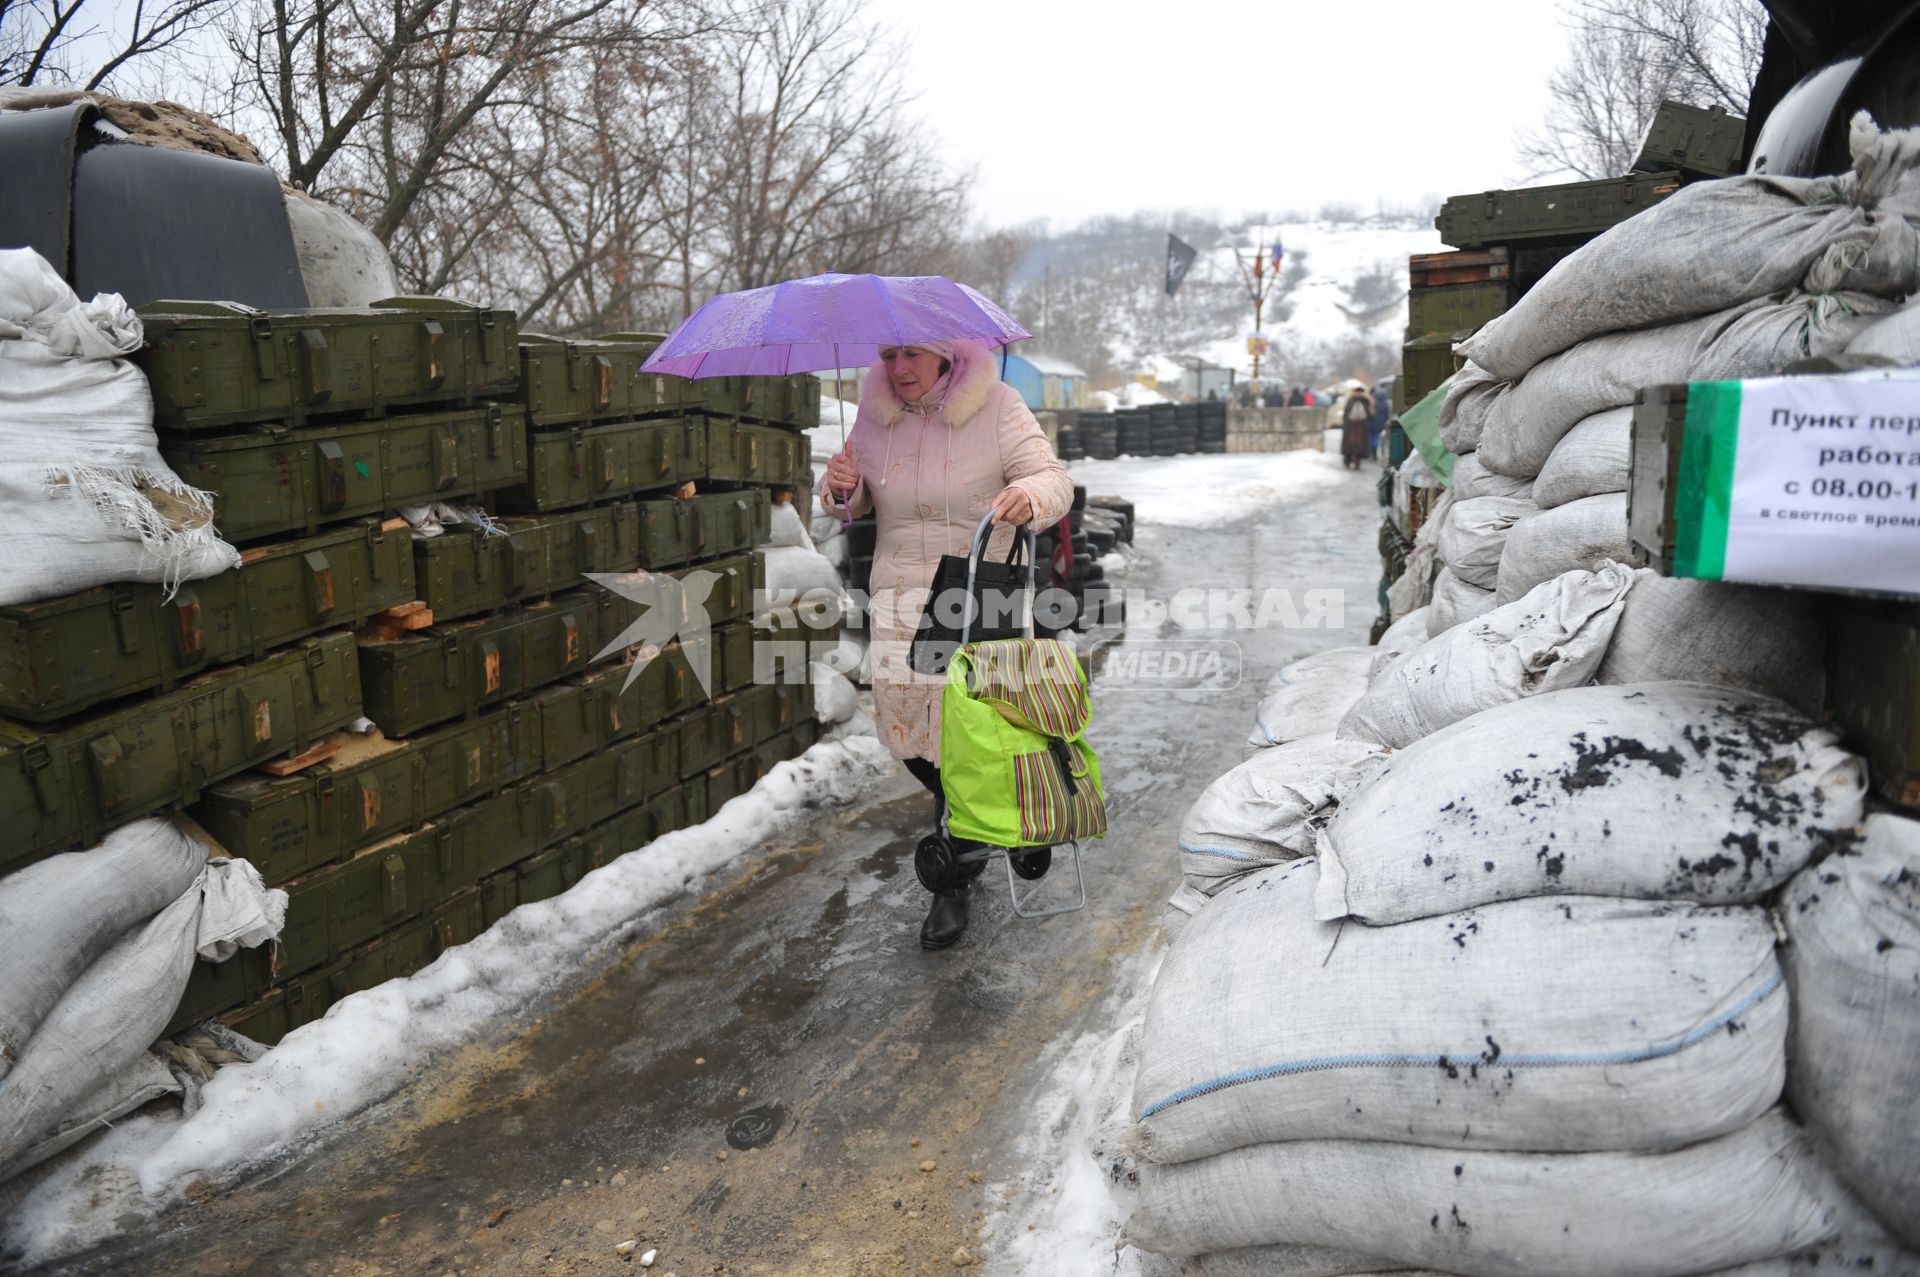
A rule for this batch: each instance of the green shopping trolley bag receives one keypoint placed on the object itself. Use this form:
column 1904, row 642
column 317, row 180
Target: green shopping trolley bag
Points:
column 1019, row 776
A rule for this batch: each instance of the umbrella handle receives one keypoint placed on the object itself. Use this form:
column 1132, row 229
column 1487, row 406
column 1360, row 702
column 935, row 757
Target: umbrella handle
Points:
column 846, row 502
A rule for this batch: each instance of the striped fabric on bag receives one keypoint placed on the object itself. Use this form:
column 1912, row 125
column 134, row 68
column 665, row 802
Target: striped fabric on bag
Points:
column 1048, row 813
column 1036, row 683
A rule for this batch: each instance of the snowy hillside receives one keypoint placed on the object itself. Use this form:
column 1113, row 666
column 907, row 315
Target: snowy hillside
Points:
column 1336, row 254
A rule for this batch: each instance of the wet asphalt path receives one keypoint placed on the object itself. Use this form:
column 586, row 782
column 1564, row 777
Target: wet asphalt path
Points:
column 761, row 1084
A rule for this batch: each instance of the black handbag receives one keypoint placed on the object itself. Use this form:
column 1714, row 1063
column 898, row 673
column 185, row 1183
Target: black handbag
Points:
column 973, row 599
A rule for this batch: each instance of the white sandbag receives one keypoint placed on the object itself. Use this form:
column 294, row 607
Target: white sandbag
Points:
column 799, row 576
column 1647, row 791
column 1471, row 479
column 1308, row 697
column 120, row 1004
column 141, row 1082
column 788, row 527
column 1523, row 420
column 1713, row 245
column 834, row 698
column 1463, row 410
column 1405, row 634
column 1267, row 809
column 1768, row 641
column 1854, row 964
column 1560, row 1024
column 1328, row 664
column 88, row 499
column 1455, row 603
column 1554, row 638
column 1474, row 534
column 1596, row 456
column 1580, row 535
column 65, row 911
column 1186, row 901
column 1738, row 1199
column 1895, row 337
column 1412, row 591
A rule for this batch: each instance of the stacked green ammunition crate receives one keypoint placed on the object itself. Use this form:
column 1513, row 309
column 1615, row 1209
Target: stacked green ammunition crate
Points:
column 517, row 748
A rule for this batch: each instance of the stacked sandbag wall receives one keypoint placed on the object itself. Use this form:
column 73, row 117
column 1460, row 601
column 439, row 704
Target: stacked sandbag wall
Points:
column 1576, row 946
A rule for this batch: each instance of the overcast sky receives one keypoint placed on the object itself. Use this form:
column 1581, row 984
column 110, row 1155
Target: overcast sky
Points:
column 1074, row 109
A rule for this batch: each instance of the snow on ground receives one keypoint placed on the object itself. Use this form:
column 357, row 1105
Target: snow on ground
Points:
column 370, row 1045
column 1065, row 1218
column 1209, row 490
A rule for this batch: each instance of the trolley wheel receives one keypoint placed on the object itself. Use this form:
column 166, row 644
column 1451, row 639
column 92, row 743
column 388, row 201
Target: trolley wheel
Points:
column 934, row 864
column 1031, row 863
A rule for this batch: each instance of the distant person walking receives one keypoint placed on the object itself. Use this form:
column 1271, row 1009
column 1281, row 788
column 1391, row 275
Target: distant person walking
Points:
column 1355, row 419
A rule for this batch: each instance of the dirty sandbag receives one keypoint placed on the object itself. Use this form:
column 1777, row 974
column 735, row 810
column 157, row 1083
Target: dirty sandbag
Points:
column 1769, row 641
column 1471, row 479
column 68, row 909
column 1267, row 809
column 1713, row 245
column 1854, row 968
column 120, row 1004
column 144, row 1080
column 89, row 499
column 1526, row 418
column 1463, row 412
column 1307, row 697
column 1475, row 532
column 1895, row 337
column 1405, row 634
column 1595, row 457
column 1742, row 1198
column 1551, row 639
column 1298, row 1261
column 1577, row 536
column 1455, row 603
column 1561, row 1024
column 1186, row 901
column 1646, row 790
column 1412, row 591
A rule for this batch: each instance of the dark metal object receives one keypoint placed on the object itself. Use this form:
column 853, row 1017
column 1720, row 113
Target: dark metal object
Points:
column 37, row 149
column 150, row 222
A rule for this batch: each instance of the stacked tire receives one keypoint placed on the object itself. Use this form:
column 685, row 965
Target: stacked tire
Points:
column 1134, row 431
column 1164, row 420
column 1213, row 425
column 1097, row 435
column 1186, row 419
column 1070, row 448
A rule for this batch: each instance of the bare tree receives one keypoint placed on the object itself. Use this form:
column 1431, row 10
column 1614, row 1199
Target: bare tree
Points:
column 78, row 44
column 1628, row 56
column 813, row 165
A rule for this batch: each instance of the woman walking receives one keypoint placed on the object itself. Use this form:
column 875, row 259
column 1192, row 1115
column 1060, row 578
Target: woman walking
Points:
column 1356, row 417
column 939, row 442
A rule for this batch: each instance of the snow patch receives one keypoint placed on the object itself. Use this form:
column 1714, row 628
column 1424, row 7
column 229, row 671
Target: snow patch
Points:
column 372, row 1044
column 1210, row 490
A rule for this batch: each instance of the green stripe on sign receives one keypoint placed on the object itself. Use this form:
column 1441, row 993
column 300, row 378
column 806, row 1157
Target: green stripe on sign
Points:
column 1703, row 491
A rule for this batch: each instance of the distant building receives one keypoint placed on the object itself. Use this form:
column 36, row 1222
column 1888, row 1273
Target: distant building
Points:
column 1047, row 383
column 1196, row 378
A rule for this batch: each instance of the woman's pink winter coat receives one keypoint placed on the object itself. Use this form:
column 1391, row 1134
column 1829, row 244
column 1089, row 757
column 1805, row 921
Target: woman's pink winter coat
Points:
column 929, row 478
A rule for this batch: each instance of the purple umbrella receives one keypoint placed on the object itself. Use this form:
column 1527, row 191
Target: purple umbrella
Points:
column 827, row 321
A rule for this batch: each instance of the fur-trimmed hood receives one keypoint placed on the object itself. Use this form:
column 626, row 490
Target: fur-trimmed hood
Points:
column 968, row 385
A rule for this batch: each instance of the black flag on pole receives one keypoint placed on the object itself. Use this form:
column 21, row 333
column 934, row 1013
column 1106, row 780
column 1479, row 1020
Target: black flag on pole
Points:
column 1180, row 257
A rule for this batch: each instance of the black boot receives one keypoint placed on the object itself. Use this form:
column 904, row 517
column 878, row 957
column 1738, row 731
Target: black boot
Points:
column 947, row 920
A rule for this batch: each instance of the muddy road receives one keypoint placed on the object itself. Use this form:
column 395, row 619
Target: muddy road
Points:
column 778, row 1079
